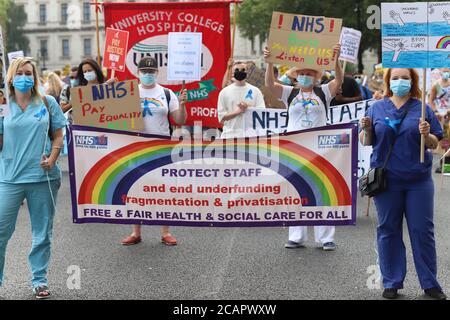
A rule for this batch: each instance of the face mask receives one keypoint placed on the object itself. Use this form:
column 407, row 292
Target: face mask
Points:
column 358, row 80
column 305, row 81
column 240, row 75
column 285, row 79
column 445, row 75
column 23, row 83
column 147, row 79
column 73, row 82
column 90, row 75
column 400, row 87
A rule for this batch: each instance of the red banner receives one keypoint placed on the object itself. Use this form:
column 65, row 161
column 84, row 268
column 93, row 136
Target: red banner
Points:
column 149, row 25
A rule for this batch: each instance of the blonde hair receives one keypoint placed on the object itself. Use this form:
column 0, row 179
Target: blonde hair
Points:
column 415, row 90
column 12, row 71
column 54, row 84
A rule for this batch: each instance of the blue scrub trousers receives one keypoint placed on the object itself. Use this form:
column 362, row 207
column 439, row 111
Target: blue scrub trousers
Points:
column 42, row 211
column 415, row 201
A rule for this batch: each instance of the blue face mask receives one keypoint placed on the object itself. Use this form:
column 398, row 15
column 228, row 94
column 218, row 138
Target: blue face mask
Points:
column 90, row 75
column 445, row 75
column 147, row 79
column 305, row 81
column 73, row 82
column 358, row 80
column 23, row 83
column 400, row 87
column 285, row 79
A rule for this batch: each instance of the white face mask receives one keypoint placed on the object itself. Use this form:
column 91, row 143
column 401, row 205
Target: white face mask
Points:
column 90, row 75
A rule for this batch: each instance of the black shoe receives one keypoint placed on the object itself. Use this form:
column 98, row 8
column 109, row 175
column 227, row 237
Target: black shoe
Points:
column 435, row 293
column 390, row 293
column 438, row 170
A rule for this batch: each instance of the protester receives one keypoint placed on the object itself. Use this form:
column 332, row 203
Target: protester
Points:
column 307, row 108
column 410, row 188
column 30, row 141
column 366, row 93
column 440, row 103
column 235, row 99
column 164, row 104
column 64, row 98
column 54, row 87
column 348, row 93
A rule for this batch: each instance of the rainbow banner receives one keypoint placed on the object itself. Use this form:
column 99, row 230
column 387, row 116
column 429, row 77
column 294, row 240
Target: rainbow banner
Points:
column 303, row 178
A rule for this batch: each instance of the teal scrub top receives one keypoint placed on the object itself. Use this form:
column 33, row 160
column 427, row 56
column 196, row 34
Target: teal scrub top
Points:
column 24, row 135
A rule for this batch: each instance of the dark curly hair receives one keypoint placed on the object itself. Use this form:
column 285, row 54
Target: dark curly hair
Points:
column 98, row 71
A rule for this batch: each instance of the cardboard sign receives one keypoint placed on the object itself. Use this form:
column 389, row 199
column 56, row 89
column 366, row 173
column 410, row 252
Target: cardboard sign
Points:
column 416, row 34
column 303, row 41
column 185, row 55
column 15, row 54
column 116, row 43
column 115, row 106
column 350, row 41
column 256, row 77
column 4, row 106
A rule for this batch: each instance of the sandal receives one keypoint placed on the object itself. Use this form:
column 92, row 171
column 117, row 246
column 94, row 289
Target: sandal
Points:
column 42, row 292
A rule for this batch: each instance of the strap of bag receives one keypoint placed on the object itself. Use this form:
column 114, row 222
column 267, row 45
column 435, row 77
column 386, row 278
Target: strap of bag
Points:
column 167, row 94
column 44, row 99
column 395, row 138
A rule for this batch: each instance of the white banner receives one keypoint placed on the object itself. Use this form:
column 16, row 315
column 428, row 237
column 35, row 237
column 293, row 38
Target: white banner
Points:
column 306, row 178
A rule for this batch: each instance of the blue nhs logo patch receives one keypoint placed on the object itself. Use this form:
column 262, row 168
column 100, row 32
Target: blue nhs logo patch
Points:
column 91, row 141
column 334, row 141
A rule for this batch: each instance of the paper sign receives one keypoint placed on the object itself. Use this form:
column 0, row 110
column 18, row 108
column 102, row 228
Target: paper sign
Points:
column 185, row 54
column 15, row 54
column 350, row 40
column 416, row 34
column 115, row 106
column 116, row 43
column 4, row 106
column 303, row 41
column 439, row 34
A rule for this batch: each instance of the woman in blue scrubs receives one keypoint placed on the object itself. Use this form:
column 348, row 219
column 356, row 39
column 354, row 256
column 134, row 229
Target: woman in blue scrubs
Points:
column 28, row 168
column 410, row 190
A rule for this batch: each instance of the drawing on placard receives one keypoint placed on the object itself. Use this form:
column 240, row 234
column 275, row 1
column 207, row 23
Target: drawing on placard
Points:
column 446, row 16
column 397, row 46
column 397, row 17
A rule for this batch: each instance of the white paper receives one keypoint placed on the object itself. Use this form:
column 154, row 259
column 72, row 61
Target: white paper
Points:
column 350, row 41
column 184, row 56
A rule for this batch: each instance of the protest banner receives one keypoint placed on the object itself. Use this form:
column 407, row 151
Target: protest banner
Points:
column 266, row 122
column 305, row 178
column 116, row 43
column 303, row 41
column 15, row 54
column 116, row 105
column 149, row 26
column 4, row 106
column 184, row 56
column 350, row 41
column 416, row 34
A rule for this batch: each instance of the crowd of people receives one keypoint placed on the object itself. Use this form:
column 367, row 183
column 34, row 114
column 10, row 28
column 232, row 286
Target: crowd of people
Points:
column 31, row 139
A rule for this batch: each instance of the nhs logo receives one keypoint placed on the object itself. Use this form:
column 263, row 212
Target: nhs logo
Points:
column 97, row 142
column 334, row 141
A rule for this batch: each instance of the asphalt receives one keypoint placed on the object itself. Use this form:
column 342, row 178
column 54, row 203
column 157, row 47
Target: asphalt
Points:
column 212, row 263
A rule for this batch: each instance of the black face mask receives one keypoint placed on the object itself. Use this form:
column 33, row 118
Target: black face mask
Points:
column 240, row 75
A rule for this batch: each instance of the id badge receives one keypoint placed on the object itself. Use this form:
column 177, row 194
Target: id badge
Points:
column 307, row 124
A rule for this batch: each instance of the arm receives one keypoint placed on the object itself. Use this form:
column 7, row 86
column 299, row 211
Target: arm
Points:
column 180, row 115
column 336, row 83
column 433, row 95
column 275, row 88
column 48, row 163
column 1, row 142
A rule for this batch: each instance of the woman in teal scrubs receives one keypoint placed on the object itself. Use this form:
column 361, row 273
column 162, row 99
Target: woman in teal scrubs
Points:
column 31, row 138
